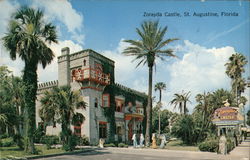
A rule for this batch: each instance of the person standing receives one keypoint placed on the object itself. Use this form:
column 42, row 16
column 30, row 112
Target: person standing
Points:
column 154, row 146
column 223, row 145
column 141, row 140
column 134, row 140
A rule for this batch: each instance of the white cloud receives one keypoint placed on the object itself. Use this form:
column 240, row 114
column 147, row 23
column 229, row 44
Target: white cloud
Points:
column 247, row 95
column 51, row 71
column 63, row 11
column 60, row 10
column 6, row 10
column 125, row 70
column 199, row 70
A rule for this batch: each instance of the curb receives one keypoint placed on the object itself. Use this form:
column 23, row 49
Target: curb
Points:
column 60, row 154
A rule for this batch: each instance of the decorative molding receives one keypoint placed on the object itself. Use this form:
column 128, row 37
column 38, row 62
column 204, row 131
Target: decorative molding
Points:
column 90, row 87
column 49, row 84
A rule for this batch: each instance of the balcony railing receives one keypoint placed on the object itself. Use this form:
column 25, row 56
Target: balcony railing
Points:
column 91, row 75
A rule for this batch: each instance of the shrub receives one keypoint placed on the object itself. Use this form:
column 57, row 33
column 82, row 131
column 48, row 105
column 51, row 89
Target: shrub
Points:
column 18, row 139
column 83, row 141
column 66, row 147
column 110, row 145
column 230, row 144
column 209, row 145
column 39, row 133
column 72, row 142
column 7, row 142
column 184, row 129
column 5, row 135
column 122, row 145
column 53, row 139
column 48, row 142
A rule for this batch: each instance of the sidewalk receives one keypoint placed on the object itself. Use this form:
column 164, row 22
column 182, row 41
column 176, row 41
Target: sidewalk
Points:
column 242, row 151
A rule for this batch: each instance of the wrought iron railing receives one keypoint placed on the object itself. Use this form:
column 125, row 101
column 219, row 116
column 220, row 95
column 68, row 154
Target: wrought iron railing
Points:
column 92, row 75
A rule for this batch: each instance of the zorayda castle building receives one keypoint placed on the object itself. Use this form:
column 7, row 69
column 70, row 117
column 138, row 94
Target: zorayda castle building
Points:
column 113, row 111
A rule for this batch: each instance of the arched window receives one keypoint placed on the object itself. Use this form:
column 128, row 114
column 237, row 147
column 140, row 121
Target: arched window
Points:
column 96, row 103
column 118, row 109
column 73, row 72
column 84, row 62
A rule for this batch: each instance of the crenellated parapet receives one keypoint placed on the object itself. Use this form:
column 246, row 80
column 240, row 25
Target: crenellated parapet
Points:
column 84, row 53
column 47, row 85
column 130, row 90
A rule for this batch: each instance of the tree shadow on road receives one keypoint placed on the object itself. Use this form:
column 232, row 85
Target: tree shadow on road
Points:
column 93, row 152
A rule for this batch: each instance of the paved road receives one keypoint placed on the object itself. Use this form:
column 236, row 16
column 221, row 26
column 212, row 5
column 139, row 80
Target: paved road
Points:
column 239, row 153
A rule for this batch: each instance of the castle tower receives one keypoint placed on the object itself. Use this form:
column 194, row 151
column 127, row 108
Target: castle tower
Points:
column 64, row 67
column 89, row 72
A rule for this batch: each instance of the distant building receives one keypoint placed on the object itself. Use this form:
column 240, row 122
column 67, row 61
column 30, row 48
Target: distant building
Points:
column 93, row 74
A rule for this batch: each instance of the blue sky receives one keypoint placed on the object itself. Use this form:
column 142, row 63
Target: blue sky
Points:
column 205, row 42
column 119, row 19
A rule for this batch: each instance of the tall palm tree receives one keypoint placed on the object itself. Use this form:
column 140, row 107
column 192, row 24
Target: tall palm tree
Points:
column 147, row 49
column 234, row 69
column 205, row 108
column 58, row 105
column 11, row 103
column 181, row 100
column 16, row 91
column 27, row 37
column 160, row 86
column 186, row 97
column 220, row 95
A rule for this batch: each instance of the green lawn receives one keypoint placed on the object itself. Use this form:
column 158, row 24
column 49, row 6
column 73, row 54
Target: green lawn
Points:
column 178, row 145
column 16, row 152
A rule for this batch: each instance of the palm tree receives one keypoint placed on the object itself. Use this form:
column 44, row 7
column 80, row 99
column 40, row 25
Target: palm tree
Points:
column 58, row 105
column 147, row 49
column 220, row 95
column 186, row 97
column 11, row 103
column 27, row 37
column 234, row 69
column 181, row 100
column 239, row 85
column 3, row 118
column 160, row 86
column 205, row 108
column 16, row 91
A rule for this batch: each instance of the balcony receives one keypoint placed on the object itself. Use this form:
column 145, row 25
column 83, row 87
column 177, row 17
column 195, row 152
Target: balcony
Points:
column 119, row 115
column 91, row 74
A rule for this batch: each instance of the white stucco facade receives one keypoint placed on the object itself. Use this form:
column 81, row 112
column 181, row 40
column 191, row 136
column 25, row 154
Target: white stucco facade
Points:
column 91, row 73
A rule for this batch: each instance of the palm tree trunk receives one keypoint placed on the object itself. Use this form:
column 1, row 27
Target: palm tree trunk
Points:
column 17, row 126
column 160, row 96
column 159, row 122
column 184, row 108
column 30, row 83
column 160, row 113
column 236, row 93
column 149, row 106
